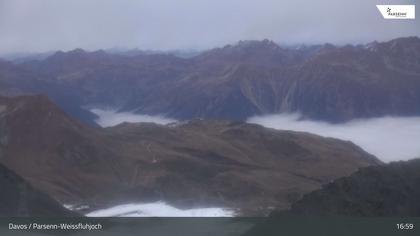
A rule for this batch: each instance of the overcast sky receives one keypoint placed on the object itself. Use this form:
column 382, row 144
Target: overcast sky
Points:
column 45, row 25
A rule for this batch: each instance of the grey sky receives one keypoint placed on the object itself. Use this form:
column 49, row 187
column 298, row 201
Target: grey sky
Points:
column 44, row 25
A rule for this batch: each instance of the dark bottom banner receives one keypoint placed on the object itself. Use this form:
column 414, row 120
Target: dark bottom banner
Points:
column 287, row 226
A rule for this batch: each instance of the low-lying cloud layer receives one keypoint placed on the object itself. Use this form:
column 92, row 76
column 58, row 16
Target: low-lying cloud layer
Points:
column 108, row 118
column 388, row 138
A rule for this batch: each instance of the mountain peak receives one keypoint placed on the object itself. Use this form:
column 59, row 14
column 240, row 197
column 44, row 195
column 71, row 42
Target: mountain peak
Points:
column 60, row 55
column 407, row 40
column 257, row 44
column 261, row 52
column 412, row 42
column 77, row 51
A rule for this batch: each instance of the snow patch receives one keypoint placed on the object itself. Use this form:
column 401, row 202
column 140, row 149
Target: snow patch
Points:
column 76, row 207
column 108, row 118
column 158, row 209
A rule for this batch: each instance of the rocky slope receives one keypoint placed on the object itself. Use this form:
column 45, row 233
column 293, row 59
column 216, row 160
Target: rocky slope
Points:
column 388, row 190
column 19, row 199
column 198, row 163
column 234, row 82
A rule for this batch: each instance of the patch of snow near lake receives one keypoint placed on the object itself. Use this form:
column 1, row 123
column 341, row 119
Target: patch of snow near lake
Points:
column 158, row 209
column 109, row 117
column 388, row 138
column 76, row 207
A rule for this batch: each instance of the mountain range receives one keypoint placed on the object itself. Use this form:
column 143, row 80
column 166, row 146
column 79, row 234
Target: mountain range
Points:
column 322, row 82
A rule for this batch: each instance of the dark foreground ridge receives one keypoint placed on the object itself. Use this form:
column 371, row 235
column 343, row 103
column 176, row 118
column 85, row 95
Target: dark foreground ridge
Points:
column 388, row 190
column 200, row 163
column 19, row 199
column 375, row 200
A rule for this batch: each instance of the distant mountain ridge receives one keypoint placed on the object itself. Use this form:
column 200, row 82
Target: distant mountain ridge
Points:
column 323, row 82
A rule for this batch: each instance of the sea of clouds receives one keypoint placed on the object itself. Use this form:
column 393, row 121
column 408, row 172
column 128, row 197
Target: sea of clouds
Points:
column 388, row 138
